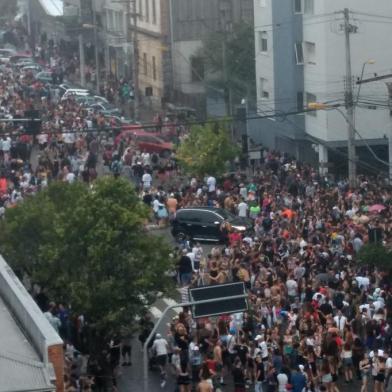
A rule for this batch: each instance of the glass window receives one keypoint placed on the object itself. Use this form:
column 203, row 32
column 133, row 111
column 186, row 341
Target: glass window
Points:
column 298, row 6
column 188, row 216
column 263, row 41
column 147, row 10
column 209, row 217
column 309, row 7
column 197, row 69
column 154, row 68
column 299, row 53
column 154, row 12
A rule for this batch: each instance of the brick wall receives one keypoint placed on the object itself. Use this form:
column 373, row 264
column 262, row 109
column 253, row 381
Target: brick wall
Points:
column 56, row 356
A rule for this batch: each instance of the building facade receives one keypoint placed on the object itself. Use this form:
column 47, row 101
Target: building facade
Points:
column 151, row 50
column 191, row 21
column 301, row 58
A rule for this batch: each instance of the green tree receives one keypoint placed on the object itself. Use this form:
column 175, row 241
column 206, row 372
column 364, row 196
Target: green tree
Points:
column 230, row 57
column 206, row 150
column 376, row 255
column 88, row 248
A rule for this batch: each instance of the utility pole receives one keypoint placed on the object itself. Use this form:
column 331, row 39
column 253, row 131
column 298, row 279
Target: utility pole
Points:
column 171, row 21
column 349, row 102
column 389, row 87
column 97, row 70
column 135, row 65
column 81, row 60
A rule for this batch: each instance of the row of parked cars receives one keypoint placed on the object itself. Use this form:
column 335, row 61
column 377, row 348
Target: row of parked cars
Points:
column 146, row 139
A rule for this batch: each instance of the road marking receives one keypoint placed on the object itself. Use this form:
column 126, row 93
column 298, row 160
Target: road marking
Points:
column 155, row 312
column 171, row 302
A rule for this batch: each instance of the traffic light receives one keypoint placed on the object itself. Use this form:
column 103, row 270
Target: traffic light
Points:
column 33, row 126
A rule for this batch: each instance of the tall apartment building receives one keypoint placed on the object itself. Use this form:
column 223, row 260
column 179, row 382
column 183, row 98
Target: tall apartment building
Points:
column 301, row 58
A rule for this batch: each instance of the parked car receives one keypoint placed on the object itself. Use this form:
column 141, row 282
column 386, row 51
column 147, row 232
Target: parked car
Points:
column 105, row 108
column 74, row 92
column 88, row 100
column 204, row 223
column 44, row 77
column 34, row 68
column 145, row 141
column 6, row 54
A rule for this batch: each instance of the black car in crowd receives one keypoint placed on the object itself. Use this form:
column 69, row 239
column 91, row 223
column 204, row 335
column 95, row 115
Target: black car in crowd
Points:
column 204, row 223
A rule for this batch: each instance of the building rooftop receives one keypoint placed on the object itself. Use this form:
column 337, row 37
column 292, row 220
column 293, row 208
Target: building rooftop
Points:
column 20, row 366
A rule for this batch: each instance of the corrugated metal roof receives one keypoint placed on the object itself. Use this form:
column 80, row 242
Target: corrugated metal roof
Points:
column 23, row 375
column 53, row 7
column 20, row 366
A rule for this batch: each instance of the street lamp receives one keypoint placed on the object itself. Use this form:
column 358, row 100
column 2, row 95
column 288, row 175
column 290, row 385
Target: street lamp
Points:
column 370, row 61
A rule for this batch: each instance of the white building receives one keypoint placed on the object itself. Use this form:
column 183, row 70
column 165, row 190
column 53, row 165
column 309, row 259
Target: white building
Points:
column 300, row 58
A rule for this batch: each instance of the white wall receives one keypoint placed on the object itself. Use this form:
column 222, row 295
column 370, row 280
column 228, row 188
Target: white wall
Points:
column 326, row 77
column 264, row 60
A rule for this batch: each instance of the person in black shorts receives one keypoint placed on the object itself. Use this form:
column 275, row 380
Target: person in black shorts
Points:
column 183, row 378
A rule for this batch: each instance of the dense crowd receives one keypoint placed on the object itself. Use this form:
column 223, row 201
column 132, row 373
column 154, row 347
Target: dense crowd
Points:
column 318, row 319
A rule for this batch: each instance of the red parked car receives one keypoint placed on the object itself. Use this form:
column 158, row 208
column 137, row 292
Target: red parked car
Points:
column 146, row 141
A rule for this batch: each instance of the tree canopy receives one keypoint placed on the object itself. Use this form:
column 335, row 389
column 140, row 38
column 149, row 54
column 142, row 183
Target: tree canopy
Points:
column 235, row 53
column 206, row 150
column 87, row 247
column 376, row 255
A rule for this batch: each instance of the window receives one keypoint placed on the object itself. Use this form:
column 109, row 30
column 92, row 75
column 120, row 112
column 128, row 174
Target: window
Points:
column 140, row 11
column 147, row 10
column 208, row 217
column 154, row 12
column 188, row 216
column 145, row 63
column 197, row 69
column 309, row 7
column 309, row 99
column 310, row 48
column 299, row 53
column 154, row 68
column 263, row 41
column 300, row 101
column 110, row 23
column 298, row 6
column 304, row 7
column 263, row 89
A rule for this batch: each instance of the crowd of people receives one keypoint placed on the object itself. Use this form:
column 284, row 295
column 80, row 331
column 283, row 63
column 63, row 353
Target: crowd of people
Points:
column 318, row 318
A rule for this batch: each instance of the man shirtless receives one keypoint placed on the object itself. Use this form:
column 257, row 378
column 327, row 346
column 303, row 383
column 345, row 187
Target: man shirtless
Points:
column 204, row 386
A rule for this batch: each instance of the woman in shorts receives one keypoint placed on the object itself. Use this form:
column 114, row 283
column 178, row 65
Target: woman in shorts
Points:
column 183, row 378
column 365, row 368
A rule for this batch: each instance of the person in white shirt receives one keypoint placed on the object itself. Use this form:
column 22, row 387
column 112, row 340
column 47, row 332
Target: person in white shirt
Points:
column 160, row 348
column 243, row 209
column 70, row 178
column 211, row 183
column 292, row 288
column 197, row 251
column 146, row 158
column 340, row 321
column 146, row 180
